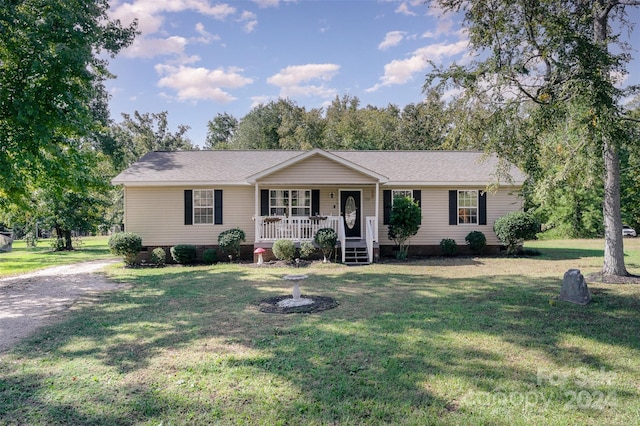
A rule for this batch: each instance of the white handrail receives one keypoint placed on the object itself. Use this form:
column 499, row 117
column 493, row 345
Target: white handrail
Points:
column 342, row 237
column 370, row 236
column 295, row 228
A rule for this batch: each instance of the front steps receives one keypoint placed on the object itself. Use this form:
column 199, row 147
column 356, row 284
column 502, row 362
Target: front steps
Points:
column 355, row 253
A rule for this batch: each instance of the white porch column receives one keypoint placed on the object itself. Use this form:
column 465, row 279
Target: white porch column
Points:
column 256, row 214
column 377, row 210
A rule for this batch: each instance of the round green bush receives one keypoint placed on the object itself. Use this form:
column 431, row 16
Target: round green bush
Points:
column 159, row 256
column 284, row 250
column 515, row 227
column 184, row 254
column 230, row 240
column 126, row 244
column 448, row 247
column 210, row 256
column 326, row 239
column 476, row 241
column 307, row 249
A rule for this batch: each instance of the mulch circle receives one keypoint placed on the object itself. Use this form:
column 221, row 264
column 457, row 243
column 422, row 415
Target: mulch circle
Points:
column 320, row 303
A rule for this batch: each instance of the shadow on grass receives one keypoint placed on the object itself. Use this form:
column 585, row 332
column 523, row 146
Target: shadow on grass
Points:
column 391, row 352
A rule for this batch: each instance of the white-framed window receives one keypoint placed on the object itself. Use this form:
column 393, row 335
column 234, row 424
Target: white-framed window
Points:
column 401, row 193
column 202, row 206
column 290, row 202
column 467, row 207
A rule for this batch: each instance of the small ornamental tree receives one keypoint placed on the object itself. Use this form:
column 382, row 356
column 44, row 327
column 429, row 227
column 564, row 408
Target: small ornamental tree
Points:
column 284, row 250
column 230, row 240
column 515, row 227
column 326, row 239
column 404, row 223
column 126, row 244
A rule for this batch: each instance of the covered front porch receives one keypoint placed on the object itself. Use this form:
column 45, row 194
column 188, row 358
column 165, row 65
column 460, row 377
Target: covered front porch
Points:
column 316, row 190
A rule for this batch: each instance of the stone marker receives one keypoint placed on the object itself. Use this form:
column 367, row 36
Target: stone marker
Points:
column 574, row 288
column 5, row 243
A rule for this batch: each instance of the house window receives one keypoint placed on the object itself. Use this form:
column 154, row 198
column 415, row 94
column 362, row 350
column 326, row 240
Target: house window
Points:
column 202, row 206
column 395, row 193
column 290, row 202
column 467, row 207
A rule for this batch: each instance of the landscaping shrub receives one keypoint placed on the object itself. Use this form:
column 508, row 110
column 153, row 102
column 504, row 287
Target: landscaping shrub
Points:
column 230, row 240
column 515, row 227
column 448, row 247
column 159, row 256
column 126, row 244
column 307, row 249
column 404, row 223
column 326, row 239
column 210, row 256
column 476, row 241
column 284, row 250
column 184, row 254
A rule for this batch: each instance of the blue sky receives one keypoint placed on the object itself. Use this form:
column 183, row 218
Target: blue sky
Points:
column 198, row 58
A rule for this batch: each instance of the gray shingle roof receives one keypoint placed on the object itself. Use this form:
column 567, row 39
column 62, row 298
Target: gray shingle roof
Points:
column 234, row 167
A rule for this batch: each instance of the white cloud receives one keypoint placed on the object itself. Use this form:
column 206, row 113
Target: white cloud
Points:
column 151, row 16
column 392, row 38
column 295, row 80
column 267, row 3
column 260, row 100
column 402, row 71
column 195, row 84
column 248, row 20
column 404, row 9
column 205, row 36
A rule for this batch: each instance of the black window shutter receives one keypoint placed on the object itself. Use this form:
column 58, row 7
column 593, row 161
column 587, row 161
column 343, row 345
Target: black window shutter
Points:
column 188, row 207
column 482, row 205
column 264, row 202
column 217, row 207
column 453, row 207
column 386, row 206
column 417, row 197
column 315, row 202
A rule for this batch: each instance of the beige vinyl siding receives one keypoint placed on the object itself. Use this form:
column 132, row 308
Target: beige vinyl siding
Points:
column 157, row 215
column 313, row 170
column 435, row 217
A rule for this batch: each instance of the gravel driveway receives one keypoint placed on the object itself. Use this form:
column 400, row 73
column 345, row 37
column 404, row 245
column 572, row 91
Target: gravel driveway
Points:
column 27, row 302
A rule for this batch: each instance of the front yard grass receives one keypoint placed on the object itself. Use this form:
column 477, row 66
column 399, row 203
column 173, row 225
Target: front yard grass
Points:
column 23, row 259
column 436, row 341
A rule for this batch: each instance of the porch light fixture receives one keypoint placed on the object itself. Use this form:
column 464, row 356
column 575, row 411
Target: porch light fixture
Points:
column 331, row 195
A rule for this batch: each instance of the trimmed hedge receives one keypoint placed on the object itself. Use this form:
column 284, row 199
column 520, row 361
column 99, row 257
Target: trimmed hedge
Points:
column 284, row 250
column 126, row 244
column 448, row 247
column 184, row 254
column 159, row 256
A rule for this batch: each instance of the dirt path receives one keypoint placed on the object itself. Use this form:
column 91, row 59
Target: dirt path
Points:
column 27, row 302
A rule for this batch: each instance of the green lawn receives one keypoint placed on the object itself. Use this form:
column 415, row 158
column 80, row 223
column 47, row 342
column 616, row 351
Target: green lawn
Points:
column 439, row 341
column 22, row 259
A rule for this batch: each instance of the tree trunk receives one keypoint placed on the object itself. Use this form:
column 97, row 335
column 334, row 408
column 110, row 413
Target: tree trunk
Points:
column 68, row 243
column 613, row 239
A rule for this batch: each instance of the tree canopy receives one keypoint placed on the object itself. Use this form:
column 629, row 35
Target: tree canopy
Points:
column 52, row 66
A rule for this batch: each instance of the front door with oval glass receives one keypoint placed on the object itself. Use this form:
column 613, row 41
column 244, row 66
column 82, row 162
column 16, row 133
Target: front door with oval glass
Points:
column 350, row 209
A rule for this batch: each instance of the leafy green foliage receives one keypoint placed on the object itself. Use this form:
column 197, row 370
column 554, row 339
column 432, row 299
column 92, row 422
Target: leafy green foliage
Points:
column 448, row 247
column 210, row 256
column 230, row 240
column 52, row 68
column 404, row 222
column 476, row 241
column 220, row 131
column 554, row 107
column 159, row 256
column 284, row 249
column 326, row 239
column 307, row 249
column 515, row 227
column 184, row 254
column 126, row 244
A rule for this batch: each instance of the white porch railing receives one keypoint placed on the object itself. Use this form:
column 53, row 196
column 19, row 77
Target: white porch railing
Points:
column 342, row 237
column 296, row 228
column 371, row 236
